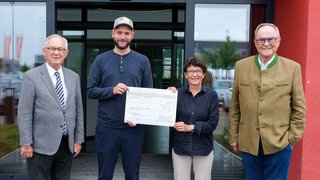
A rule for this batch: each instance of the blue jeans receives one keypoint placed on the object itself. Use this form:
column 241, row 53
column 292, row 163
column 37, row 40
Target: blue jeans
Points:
column 110, row 142
column 267, row 167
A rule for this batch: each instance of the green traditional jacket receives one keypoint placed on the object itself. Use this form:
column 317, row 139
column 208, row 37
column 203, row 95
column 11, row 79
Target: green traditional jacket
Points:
column 266, row 105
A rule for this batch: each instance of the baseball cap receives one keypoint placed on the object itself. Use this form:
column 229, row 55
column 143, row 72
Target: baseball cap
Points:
column 121, row 21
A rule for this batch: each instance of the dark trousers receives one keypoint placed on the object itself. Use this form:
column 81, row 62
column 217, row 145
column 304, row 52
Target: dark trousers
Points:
column 55, row 167
column 267, row 167
column 110, row 142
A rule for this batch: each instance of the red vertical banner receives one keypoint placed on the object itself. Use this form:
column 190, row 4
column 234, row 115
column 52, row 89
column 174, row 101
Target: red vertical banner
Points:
column 19, row 42
column 7, row 42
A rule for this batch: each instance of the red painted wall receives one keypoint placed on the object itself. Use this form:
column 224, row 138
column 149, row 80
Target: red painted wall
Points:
column 300, row 33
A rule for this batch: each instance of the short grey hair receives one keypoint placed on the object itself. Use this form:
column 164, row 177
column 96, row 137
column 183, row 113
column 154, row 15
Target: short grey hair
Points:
column 266, row 24
column 56, row 36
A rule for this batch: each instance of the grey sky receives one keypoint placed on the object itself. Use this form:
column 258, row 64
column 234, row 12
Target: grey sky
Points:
column 30, row 21
column 214, row 21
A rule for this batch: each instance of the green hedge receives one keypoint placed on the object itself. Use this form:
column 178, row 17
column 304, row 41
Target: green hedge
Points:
column 9, row 138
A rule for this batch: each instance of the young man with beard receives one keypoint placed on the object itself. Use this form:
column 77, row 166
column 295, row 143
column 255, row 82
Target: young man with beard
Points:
column 112, row 72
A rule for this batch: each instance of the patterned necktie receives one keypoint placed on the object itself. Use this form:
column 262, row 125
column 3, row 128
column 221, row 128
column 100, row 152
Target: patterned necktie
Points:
column 60, row 94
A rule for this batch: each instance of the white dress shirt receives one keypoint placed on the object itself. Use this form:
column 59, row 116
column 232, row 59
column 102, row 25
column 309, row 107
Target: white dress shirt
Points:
column 265, row 66
column 51, row 72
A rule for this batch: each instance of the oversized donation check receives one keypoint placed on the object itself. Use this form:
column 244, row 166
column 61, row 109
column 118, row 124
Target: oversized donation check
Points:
column 151, row 106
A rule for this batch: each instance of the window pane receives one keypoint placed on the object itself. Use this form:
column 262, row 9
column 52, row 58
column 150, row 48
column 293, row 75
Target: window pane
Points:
column 98, row 34
column 68, row 14
column 152, row 34
column 138, row 34
column 139, row 16
column 75, row 57
column 221, row 37
column 210, row 22
column 21, row 40
column 181, row 15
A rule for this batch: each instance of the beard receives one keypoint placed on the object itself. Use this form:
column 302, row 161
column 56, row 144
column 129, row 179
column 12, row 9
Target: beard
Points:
column 116, row 43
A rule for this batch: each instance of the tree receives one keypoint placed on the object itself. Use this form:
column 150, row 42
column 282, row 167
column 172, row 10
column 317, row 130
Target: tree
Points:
column 227, row 54
column 1, row 64
column 208, row 58
column 24, row 68
column 224, row 57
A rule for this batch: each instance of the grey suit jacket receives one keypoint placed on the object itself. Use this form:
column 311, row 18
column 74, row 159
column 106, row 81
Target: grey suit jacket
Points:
column 40, row 115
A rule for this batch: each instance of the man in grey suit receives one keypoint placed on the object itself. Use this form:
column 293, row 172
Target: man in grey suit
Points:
column 50, row 115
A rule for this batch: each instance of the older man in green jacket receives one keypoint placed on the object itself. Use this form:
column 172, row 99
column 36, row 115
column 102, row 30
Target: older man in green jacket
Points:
column 267, row 112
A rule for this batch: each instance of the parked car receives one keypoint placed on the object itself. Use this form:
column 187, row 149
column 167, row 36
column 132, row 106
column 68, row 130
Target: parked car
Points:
column 9, row 81
column 221, row 86
column 1, row 95
column 16, row 84
column 227, row 99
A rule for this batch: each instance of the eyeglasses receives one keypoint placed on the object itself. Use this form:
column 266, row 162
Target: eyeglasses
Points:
column 53, row 49
column 271, row 40
column 191, row 72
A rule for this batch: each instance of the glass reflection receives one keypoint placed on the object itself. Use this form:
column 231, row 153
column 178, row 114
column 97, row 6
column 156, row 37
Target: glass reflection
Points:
column 221, row 40
column 20, row 50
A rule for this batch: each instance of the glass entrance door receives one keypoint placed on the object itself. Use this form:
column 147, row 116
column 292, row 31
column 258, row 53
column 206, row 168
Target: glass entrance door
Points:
column 157, row 138
column 155, row 36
